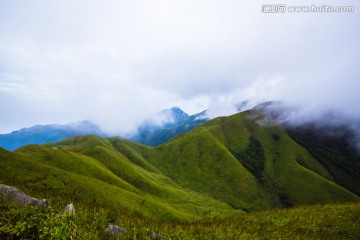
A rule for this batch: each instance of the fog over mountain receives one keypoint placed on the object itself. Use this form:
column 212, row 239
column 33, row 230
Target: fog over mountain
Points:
column 161, row 127
column 116, row 62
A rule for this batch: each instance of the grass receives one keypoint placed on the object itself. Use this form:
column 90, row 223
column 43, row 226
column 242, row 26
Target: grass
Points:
column 332, row 147
column 217, row 172
column 223, row 166
column 185, row 188
column 29, row 222
column 38, row 171
column 332, row 221
column 247, row 165
column 214, row 182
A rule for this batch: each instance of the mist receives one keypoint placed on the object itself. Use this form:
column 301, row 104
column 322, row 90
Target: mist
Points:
column 117, row 62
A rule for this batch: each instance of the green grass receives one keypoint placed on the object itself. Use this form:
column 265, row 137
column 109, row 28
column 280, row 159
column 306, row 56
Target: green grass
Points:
column 29, row 222
column 335, row 151
column 335, row 221
column 224, row 167
column 112, row 181
column 247, row 165
column 216, row 172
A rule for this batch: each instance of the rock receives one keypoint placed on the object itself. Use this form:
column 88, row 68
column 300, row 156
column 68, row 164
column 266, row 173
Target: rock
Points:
column 114, row 229
column 156, row 236
column 68, row 209
column 21, row 198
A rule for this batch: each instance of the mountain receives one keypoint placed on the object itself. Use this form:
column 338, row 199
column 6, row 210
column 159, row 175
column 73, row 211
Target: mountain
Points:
column 226, row 165
column 47, row 133
column 176, row 122
column 164, row 119
column 155, row 130
column 333, row 146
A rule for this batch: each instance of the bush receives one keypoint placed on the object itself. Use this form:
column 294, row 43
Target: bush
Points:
column 29, row 222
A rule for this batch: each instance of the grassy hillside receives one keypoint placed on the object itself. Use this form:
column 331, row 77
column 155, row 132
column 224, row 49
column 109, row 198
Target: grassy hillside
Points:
column 44, row 172
column 227, row 165
column 340, row 221
column 247, row 165
column 333, row 147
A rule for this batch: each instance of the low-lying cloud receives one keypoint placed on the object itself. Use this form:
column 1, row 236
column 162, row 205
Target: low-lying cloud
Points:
column 116, row 62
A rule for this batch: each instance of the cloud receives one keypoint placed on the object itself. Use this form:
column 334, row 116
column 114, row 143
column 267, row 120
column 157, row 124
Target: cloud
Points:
column 116, row 62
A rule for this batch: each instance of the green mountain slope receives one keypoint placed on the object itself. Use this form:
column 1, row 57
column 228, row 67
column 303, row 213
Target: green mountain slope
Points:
column 227, row 165
column 247, row 165
column 335, row 151
column 35, row 169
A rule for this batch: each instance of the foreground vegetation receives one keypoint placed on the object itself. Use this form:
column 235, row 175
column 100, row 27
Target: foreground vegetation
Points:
column 333, row 221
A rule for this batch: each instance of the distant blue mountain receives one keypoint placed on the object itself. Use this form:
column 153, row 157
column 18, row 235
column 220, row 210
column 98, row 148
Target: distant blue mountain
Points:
column 47, row 133
column 155, row 130
column 165, row 125
column 165, row 119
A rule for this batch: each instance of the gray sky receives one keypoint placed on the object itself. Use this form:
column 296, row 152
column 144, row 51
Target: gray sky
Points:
column 115, row 62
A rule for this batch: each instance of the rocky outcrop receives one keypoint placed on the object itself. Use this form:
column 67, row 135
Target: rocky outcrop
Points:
column 68, row 210
column 156, row 236
column 21, row 198
column 114, row 229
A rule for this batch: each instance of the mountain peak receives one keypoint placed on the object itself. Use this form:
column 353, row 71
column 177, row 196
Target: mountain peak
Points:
column 165, row 118
column 176, row 108
column 177, row 114
column 167, row 124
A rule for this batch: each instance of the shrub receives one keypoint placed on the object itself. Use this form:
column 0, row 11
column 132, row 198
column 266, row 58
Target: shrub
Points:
column 29, row 222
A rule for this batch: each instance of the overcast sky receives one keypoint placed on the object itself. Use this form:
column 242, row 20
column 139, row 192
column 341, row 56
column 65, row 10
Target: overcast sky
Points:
column 115, row 62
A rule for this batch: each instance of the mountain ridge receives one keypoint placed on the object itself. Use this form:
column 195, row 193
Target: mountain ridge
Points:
column 226, row 165
column 39, row 134
column 156, row 135
column 153, row 131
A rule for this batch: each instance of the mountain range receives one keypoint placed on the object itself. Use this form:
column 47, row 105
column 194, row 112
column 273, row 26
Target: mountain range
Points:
column 155, row 130
column 40, row 134
column 241, row 163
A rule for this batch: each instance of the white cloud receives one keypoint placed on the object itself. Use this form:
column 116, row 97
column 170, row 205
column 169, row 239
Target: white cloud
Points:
column 118, row 61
